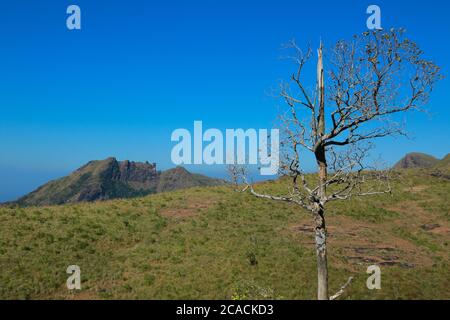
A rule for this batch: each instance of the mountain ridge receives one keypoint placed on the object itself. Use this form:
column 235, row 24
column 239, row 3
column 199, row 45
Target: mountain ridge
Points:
column 416, row 160
column 110, row 179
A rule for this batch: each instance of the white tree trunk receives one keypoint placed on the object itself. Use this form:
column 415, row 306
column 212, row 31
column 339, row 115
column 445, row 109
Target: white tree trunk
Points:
column 321, row 253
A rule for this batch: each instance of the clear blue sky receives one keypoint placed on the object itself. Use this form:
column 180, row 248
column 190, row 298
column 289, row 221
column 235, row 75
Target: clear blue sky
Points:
column 140, row 69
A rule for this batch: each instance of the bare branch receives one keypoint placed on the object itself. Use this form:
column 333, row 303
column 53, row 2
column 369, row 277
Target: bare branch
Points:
column 342, row 289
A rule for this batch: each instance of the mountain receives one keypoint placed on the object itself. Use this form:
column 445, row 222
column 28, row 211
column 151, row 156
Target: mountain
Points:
column 110, row 179
column 180, row 178
column 416, row 160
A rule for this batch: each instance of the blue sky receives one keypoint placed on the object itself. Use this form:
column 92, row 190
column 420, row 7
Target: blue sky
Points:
column 140, row 69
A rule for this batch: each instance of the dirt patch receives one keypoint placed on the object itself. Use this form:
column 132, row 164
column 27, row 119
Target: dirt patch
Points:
column 441, row 230
column 379, row 255
column 416, row 189
column 189, row 210
column 436, row 228
column 353, row 242
column 430, row 226
column 413, row 215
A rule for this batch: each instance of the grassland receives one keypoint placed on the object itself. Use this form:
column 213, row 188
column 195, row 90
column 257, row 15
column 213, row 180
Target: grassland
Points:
column 213, row 243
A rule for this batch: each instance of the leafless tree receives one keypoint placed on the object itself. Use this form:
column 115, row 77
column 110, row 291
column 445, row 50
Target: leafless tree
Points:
column 369, row 81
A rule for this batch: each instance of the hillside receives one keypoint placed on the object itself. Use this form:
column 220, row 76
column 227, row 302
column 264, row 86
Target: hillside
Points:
column 213, row 243
column 416, row 160
column 443, row 165
column 111, row 179
column 180, row 178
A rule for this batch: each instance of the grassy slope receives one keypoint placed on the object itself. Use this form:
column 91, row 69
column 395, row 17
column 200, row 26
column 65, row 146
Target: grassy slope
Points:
column 213, row 243
column 444, row 164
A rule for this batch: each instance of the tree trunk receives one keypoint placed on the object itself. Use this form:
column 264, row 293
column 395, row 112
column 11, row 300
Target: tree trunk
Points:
column 321, row 253
column 321, row 230
column 320, row 153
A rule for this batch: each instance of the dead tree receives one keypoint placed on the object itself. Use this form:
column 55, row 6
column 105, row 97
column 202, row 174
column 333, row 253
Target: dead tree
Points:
column 369, row 81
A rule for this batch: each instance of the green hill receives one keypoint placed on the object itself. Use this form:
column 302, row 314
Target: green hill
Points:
column 111, row 179
column 214, row 243
column 180, row 178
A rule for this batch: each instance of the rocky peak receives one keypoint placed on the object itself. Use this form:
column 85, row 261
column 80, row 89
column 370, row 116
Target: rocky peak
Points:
column 137, row 171
column 416, row 160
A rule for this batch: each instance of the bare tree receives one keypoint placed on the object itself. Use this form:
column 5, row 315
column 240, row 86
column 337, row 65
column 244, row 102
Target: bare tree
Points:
column 370, row 80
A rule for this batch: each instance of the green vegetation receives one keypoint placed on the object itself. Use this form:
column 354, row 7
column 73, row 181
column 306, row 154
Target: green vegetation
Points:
column 213, row 243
